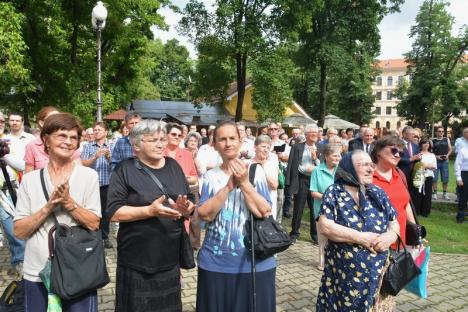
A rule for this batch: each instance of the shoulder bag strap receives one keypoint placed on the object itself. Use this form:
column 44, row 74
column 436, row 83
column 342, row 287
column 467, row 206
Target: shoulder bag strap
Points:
column 252, row 169
column 403, row 177
column 153, row 177
column 46, row 195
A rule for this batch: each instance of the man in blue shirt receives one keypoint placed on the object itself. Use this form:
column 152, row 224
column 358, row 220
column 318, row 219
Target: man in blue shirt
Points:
column 123, row 148
column 97, row 155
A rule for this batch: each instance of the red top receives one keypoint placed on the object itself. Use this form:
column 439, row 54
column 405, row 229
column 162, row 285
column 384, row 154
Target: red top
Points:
column 185, row 160
column 399, row 197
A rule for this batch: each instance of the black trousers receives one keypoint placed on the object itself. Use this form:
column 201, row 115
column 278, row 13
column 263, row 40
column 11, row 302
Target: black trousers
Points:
column 105, row 221
column 463, row 199
column 303, row 195
column 287, row 200
column 423, row 201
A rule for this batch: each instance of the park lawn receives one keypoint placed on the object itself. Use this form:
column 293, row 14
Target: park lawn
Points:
column 443, row 233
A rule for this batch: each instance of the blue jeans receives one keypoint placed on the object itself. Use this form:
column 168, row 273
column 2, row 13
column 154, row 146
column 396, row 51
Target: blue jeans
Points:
column 35, row 300
column 16, row 245
column 443, row 167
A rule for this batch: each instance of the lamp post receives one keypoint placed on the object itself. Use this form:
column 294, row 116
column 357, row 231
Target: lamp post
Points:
column 98, row 19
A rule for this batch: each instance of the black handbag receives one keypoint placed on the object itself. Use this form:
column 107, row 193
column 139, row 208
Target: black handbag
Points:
column 414, row 233
column 12, row 299
column 186, row 258
column 269, row 237
column 78, row 263
column 400, row 272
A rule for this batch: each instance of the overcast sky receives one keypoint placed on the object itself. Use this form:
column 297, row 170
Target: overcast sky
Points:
column 394, row 28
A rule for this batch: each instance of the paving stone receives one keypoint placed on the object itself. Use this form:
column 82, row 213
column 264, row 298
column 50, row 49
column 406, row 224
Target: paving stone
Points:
column 298, row 280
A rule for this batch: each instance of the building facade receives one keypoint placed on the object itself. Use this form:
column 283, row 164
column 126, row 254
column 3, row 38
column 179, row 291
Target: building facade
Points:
column 393, row 72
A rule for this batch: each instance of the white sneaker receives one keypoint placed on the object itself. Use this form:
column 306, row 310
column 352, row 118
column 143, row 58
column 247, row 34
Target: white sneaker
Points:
column 445, row 196
column 434, row 196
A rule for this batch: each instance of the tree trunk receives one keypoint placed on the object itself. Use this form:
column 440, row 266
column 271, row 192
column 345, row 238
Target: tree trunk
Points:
column 323, row 93
column 241, row 63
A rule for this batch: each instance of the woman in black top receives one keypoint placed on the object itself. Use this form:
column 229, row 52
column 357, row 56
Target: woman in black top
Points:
column 148, row 274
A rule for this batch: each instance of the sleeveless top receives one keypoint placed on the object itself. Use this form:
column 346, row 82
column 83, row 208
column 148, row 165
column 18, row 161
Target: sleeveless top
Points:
column 440, row 146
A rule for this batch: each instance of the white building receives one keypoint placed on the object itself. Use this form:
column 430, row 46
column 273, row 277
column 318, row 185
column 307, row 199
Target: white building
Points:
column 393, row 71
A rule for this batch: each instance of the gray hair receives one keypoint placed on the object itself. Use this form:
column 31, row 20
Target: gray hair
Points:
column 195, row 135
column 146, row 126
column 131, row 115
column 310, row 127
column 329, row 149
column 262, row 139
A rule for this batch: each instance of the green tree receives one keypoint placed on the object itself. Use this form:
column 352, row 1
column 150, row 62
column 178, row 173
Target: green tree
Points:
column 271, row 76
column 435, row 55
column 14, row 72
column 61, row 54
column 233, row 33
column 173, row 70
column 328, row 31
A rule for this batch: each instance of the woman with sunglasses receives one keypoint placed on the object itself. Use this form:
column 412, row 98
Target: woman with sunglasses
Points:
column 386, row 155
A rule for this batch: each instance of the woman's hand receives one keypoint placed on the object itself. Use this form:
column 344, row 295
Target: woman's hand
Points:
column 157, row 209
column 66, row 200
column 383, row 242
column 182, row 205
column 239, row 171
column 367, row 239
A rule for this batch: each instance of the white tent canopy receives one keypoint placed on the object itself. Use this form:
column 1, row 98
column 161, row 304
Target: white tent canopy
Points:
column 332, row 121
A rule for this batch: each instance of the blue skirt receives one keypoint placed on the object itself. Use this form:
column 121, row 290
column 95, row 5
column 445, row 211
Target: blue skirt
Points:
column 225, row 292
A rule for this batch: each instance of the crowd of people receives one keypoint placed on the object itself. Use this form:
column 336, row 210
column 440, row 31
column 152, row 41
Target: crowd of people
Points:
column 153, row 180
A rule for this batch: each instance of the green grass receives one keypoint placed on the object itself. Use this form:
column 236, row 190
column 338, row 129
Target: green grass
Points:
column 452, row 184
column 443, row 233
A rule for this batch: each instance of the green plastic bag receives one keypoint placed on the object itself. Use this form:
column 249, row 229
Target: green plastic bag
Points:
column 54, row 304
column 281, row 176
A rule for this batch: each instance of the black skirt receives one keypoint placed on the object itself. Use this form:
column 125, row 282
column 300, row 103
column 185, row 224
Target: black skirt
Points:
column 224, row 292
column 139, row 291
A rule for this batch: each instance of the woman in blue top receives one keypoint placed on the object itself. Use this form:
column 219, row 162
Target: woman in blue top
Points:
column 224, row 279
column 322, row 177
column 360, row 224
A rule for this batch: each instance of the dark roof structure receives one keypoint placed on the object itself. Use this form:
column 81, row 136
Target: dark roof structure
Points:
column 181, row 112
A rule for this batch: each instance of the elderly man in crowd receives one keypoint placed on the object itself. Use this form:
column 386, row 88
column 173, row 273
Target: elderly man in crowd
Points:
column 365, row 141
column 303, row 158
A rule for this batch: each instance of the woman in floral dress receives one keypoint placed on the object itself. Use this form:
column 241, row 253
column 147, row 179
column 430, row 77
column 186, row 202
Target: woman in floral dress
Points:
column 360, row 224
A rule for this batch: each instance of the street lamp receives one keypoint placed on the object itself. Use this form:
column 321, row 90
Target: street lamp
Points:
column 98, row 19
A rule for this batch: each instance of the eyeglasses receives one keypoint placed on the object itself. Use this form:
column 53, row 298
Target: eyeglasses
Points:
column 2, row 121
column 63, row 137
column 396, row 152
column 173, row 134
column 155, row 141
column 369, row 164
column 273, row 129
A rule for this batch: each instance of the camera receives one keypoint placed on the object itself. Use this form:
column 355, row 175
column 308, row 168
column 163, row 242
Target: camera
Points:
column 4, row 148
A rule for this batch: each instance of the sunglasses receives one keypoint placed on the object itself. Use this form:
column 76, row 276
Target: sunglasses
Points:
column 176, row 135
column 396, row 152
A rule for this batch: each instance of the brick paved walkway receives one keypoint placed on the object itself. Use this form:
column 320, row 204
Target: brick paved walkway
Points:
column 297, row 282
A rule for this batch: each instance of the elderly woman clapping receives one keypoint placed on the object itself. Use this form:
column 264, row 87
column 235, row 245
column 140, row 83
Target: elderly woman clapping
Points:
column 74, row 199
column 360, row 224
column 148, row 243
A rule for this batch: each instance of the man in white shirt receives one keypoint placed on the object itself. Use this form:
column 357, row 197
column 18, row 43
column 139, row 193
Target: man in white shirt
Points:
column 18, row 138
column 462, row 141
column 461, row 173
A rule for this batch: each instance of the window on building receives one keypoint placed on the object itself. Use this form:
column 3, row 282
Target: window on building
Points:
column 378, row 111
column 387, row 125
column 377, row 124
column 389, row 81
column 389, row 95
column 378, row 95
column 400, row 79
column 378, row 80
column 388, row 110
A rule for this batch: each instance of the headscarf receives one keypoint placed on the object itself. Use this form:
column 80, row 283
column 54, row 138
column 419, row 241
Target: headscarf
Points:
column 346, row 175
